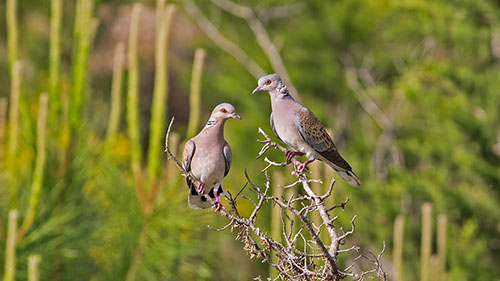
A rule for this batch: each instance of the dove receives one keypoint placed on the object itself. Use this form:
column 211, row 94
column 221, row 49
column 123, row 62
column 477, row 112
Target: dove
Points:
column 297, row 127
column 207, row 159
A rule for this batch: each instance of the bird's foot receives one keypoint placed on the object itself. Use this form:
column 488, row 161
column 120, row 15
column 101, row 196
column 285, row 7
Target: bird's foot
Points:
column 290, row 154
column 302, row 166
column 217, row 204
column 201, row 188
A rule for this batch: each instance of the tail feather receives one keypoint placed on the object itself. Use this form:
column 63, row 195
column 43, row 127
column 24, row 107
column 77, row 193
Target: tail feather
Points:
column 198, row 201
column 350, row 177
column 204, row 201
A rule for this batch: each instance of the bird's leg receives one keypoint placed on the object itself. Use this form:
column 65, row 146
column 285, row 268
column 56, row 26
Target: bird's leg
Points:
column 302, row 166
column 201, row 188
column 217, row 204
column 290, row 154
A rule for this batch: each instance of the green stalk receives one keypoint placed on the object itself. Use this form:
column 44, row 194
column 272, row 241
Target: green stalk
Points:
column 160, row 8
column 397, row 251
column 83, row 37
column 10, row 248
column 36, row 184
column 157, row 125
column 276, row 226
column 194, row 94
column 426, row 243
column 441, row 246
column 116, row 90
column 3, row 128
column 133, row 104
column 15, row 93
column 55, row 59
column 33, row 264
column 12, row 33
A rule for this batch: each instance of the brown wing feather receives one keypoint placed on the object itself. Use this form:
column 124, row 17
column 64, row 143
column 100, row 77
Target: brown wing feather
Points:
column 187, row 156
column 316, row 136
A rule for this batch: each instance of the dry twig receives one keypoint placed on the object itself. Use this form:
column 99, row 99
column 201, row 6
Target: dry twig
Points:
column 317, row 260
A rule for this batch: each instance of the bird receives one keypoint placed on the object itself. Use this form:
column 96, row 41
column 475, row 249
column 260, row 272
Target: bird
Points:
column 207, row 159
column 297, row 127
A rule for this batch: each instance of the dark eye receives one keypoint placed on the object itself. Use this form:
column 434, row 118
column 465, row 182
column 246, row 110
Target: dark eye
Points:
column 223, row 110
column 268, row 82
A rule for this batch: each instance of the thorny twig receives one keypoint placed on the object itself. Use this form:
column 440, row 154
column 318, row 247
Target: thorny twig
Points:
column 317, row 260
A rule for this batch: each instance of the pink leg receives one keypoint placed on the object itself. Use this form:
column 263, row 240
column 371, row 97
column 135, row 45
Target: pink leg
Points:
column 303, row 166
column 290, row 154
column 201, row 188
column 217, row 202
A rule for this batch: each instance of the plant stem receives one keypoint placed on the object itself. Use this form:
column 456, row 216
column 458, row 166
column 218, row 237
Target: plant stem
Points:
column 397, row 252
column 426, row 243
column 157, row 125
column 83, row 37
column 3, row 128
column 116, row 91
column 36, row 184
column 441, row 246
column 194, row 94
column 55, row 60
column 15, row 93
column 133, row 105
column 33, row 264
column 10, row 248
column 276, row 216
column 12, row 33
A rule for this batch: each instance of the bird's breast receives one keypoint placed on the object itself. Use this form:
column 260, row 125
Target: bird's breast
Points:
column 208, row 165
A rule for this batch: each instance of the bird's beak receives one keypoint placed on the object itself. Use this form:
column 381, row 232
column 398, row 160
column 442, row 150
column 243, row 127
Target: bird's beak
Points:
column 234, row 115
column 256, row 90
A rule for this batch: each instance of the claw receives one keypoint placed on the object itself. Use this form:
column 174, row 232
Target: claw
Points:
column 201, row 188
column 217, row 204
column 302, row 166
column 290, row 154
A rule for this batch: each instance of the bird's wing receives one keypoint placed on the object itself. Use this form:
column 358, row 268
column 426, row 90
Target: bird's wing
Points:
column 274, row 128
column 314, row 134
column 187, row 156
column 227, row 158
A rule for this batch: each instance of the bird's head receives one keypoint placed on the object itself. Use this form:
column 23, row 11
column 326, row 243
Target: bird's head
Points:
column 224, row 111
column 267, row 83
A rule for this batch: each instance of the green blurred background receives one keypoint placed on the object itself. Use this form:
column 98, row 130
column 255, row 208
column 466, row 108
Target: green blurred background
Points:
column 432, row 68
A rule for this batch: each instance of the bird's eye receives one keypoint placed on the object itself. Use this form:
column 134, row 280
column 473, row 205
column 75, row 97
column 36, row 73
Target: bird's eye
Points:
column 223, row 110
column 268, row 82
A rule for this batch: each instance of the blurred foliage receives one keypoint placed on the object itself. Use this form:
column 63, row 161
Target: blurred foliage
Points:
column 439, row 58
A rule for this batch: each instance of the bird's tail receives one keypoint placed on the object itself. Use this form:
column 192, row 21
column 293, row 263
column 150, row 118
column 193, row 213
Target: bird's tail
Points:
column 204, row 201
column 197, row 200
column 350, row 177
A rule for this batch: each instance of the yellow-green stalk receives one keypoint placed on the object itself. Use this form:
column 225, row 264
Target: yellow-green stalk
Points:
column 10, row 248
column 160, row 8
column 83, row 37
column 36, row 184
column 441, row 246
column 3, row 128
column 133, row 104
column 55, row 60
column 116, row 91
column 15, row 92
column 194, row 94
column 426, row 242
column 33, row 264
column 12, row 33
column 397, row 251
column 171, row 172
column 159, row 106
column 276, row 226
